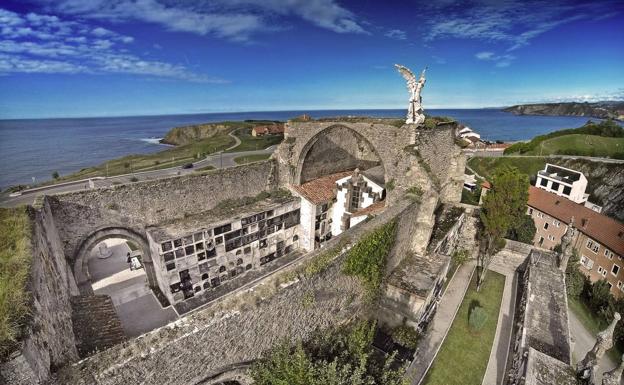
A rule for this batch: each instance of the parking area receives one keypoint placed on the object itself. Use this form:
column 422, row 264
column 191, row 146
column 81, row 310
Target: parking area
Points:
column 136, row 305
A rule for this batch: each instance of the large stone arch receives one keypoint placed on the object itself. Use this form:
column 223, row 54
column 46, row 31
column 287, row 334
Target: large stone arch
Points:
column 335, row 148
column 81, row 270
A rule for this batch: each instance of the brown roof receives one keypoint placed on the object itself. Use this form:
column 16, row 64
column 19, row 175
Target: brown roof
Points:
column 321, row 190
column 374, row 208
column 272, row 129
column 603, row 229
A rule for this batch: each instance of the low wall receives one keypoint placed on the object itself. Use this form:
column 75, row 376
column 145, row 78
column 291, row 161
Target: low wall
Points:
column 50, row 341
column 235, row 329
column 142, row 204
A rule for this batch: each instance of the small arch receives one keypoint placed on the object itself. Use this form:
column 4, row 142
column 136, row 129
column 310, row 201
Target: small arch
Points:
column 222, row 269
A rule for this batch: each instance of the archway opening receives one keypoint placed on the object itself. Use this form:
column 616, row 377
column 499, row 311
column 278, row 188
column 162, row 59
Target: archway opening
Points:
column 337, row 148
column 116, row 263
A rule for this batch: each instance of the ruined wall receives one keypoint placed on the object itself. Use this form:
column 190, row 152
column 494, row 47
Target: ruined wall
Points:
column 235, row 329
column 141, row 204
column 444, row 158
column 338, row 149
column 50, row 341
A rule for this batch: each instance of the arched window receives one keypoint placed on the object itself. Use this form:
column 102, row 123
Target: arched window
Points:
column 222, row 269
column 204, row 276
column 197, row 288
column 206, row 285
column 295, row 238
column 239, row 261
column 248, row 267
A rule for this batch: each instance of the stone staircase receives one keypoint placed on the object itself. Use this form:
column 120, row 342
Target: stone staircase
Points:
column 96, row 324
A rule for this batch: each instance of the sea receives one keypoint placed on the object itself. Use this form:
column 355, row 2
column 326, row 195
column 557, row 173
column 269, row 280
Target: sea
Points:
column 32, row 149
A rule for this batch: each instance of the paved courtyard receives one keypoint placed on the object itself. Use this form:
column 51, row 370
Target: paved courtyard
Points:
column 136, row 305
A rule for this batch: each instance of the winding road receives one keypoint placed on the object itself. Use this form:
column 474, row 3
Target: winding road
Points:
column 218, row 160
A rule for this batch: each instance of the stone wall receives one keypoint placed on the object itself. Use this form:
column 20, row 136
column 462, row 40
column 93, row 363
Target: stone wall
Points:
column 138, row 205
column 237, row 328
column 447, row 163
column 50, row 341
column 438, row 163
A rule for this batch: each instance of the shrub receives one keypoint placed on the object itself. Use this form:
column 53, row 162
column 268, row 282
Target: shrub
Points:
column 390, row 185
column 134, row 179
column 477, row 318
column 415, row 193
column 367, row 259
column 405, row 336
column 56, row 175
column 460, row 257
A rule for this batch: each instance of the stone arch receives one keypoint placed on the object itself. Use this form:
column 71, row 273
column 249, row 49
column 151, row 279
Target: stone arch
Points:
column 336, row 148
column 81, row 270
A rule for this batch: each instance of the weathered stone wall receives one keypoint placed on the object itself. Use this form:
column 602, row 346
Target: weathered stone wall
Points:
column 438, row 163
column 447, row 163
column 239, row 328
column 138, row 205
column 50, row 341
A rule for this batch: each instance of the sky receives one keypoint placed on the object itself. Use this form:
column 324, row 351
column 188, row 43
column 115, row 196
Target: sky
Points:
column 73, row 58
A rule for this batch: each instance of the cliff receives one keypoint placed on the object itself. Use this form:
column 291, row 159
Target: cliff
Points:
column 179, row 136
column 602, row 110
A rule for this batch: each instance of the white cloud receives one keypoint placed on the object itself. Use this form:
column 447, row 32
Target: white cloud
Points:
column 46, row 44
column 231, row 19
column 396, row 34
column 500, row 61
column 512, row 23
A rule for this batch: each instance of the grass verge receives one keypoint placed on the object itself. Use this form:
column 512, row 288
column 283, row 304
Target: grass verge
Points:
column 251, row 158
column 252, row 143
column 580, row 144
column 465, row 353
column 15, row 260
column 486, row 166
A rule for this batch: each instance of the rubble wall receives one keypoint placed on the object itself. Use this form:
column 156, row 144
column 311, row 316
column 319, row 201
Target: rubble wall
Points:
column 138, row 205
column 50, row 341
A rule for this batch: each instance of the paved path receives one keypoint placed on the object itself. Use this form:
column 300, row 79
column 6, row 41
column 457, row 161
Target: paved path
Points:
column 449, row 304
column 582, row 341
column 505, row 262
column 496, row 154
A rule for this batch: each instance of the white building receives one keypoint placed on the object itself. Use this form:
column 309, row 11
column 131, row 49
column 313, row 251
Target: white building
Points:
column 337, row 202
column 564, row 182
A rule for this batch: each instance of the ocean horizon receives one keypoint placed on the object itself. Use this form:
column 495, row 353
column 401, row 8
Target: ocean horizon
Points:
column 35, row 148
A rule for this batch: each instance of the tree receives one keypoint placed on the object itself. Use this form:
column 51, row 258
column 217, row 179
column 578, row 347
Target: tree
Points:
column 524, row 231
column 55, row 175
column 601, row 300
column 503, row 208
column 575, row 280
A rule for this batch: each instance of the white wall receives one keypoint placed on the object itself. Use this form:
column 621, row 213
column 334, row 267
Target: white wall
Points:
column 308, row 217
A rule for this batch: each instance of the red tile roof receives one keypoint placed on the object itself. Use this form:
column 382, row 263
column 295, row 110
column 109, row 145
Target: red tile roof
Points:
column 272, row 129
column 321, row 190
column 599, row 227
column 374, row 208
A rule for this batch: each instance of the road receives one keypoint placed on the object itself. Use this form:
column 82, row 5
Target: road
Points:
column 218, row 160
column 496, row 154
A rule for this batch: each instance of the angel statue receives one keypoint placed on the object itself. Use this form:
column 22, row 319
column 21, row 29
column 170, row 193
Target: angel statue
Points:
column 415, row 114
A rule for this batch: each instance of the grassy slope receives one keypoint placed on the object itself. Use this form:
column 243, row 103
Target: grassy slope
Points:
column 15, row 259
column 251, row 158
column 486, row 166
column 251, row 143
column 464, row 354
column 589, row 145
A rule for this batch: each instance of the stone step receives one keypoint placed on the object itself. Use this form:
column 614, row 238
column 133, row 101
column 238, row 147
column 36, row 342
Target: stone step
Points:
column 96, row 324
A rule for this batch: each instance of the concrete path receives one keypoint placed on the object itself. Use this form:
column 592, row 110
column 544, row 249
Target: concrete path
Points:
column 582, row 341
column 505, row 262
column 445, row 314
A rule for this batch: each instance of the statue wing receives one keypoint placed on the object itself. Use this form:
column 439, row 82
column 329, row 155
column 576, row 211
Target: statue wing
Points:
column 407, row 74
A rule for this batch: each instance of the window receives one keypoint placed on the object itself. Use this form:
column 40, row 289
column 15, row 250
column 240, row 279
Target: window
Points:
column 593, row 246
column 204, row 276
column 543, row 182
column 541, row 241
column 586, row 262
column 608, row 254
column 610, row 285
column 556, row 223
column 615, row 270
column 555, row 186
column 530, row 211
column 540, row 214
column 546, row 226
column 567, row 190
column 619, row 285
column 551, row 238
column 600, row 270
column 355, row 198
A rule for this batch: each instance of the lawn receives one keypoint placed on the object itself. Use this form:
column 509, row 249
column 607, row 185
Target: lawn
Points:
column 580, row 144
column 486, row 166
column 251, row 143
column 15, row 260
column 251, row 158
column 464, row 355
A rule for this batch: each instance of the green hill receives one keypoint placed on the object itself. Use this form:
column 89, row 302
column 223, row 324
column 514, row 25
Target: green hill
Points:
column 579, row 144
column 603, row 139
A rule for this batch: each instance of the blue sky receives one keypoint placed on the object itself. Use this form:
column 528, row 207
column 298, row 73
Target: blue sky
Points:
column 61, row 58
